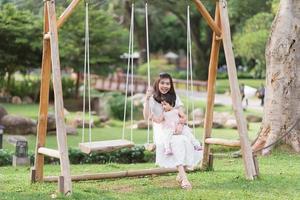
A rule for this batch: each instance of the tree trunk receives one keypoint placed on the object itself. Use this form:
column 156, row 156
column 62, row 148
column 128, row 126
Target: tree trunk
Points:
column 282, row 103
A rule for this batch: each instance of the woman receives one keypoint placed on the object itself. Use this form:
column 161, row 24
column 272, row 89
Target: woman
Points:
column 184, row 154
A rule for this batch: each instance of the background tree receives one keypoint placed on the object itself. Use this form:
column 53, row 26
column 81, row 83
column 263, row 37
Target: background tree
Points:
column 241, row 11
column 108, row 40
column 282, row 108
column 20, row 44
column 251, row 41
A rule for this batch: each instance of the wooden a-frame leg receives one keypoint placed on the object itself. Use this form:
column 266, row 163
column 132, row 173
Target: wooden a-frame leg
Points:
column 58, row 100
column 212, row 74
column 37, row 171
column 235, row 93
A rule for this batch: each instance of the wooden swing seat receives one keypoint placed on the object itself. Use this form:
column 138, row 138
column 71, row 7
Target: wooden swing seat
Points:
column 104, row 146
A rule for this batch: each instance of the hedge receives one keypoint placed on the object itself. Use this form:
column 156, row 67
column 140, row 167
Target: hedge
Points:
column 137, row 154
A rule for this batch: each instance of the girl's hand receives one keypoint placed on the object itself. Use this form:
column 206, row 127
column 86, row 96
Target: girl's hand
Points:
column 149, row 93
column 178, row 129
column 182, row 120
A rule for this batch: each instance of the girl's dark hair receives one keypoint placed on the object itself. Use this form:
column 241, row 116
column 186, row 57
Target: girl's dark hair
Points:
column 169, row 99
column 156, row 94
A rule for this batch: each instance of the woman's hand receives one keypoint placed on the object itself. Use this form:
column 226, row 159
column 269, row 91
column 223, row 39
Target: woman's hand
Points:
column 149, row 93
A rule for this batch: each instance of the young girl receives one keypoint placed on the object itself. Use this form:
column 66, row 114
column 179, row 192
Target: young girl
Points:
column 170, row 119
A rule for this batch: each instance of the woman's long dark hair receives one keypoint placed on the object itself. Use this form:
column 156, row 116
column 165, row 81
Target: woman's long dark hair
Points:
column 156, row 94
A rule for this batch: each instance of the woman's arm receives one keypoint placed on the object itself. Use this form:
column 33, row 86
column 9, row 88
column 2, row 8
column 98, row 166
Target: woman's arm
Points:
column 182, row 116
column 146, row 110
column 157, row 119
column 182, row 121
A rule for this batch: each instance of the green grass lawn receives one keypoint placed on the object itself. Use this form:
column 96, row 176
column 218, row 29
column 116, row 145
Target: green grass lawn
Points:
column 222, row 85
column 279, row 179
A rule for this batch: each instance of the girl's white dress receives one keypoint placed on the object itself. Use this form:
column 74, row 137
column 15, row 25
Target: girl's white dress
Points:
column 182, row 148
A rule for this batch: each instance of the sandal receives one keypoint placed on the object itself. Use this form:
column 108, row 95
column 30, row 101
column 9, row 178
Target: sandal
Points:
column 179, row 179
column 186, row 185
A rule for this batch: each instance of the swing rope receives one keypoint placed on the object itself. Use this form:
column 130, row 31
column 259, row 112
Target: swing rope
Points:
column 129, row 65
column 86, row 73
column 190, row 68
column 148, row 66
column 87, row 78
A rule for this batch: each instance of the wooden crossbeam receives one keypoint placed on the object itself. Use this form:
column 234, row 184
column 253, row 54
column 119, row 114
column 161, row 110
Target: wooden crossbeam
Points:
column 119, row 174
column 66, row 14
column 212, row 24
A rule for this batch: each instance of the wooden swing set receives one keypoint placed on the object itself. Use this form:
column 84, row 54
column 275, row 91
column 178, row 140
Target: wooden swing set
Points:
column 221, row 33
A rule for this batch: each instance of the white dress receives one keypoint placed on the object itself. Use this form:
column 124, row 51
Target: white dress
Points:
column 182, row 148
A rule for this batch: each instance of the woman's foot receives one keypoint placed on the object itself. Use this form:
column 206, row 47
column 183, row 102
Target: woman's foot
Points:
column 186, row 185
column 179, row 179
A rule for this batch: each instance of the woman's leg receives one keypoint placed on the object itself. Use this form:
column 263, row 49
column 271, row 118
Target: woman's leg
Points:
column 185, row 184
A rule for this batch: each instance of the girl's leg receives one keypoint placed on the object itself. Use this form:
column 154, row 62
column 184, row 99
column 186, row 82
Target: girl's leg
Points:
column 188, row 132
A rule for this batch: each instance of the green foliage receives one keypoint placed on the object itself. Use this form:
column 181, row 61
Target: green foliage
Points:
column 275, row 6
column 25, row 87
column 5, row 157
column 30, row 87
column 117, row 103
column 251, row 41
column 160, row 65
column 241, row 11
column 20, row 45
column 169, row 34
column 68, row 87
column 108, row 40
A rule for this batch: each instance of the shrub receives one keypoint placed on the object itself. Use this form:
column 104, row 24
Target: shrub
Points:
column 26, row 87
column 136, row 154
column 5, row 157
column 31, row 87
column 117, row 103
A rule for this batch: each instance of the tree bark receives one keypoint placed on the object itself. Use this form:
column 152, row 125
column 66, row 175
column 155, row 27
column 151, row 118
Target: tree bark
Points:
column 282, row 103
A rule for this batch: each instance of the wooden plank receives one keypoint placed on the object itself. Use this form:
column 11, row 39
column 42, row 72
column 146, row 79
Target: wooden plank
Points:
column 66, row 14
column 201, row 8
column 58, row 100
column 120, row 174
column 235, row 93
column 212, row 75
column 49, row 152
column 104, row 146
column 223, row 142
column 43, row 105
